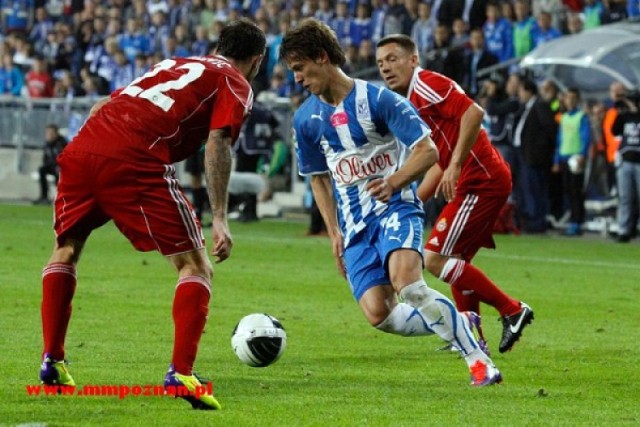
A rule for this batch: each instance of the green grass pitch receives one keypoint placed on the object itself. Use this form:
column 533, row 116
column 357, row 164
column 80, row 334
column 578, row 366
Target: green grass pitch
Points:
column 577, row 364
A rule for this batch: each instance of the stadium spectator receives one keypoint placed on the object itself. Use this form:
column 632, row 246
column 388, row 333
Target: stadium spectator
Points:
column 54, row 143
column 23, row 54
column 544, row 31
column 133, row 41
column 550, row 93
column 423, row 28
column 41, row 27
column 171, row 48
column 615, row 103
column 110, row 163
column 11, row 78
column 477, row 58
column 361, row 25
column 157, row 32
column 534, row 139
column 17, row 16
column 375, row 219
column 397, row 18
column 444, row 58
column 593, row 12
column 498, row 33
column 469, row 174
column 553, row 9
column 627, row 128
column 341, row 23
column 365, row 58
column 67, row 86
column 460, row 34
column 574, row 138
column 253, row 147
column 122, row 72
column 575, row 23
column 201, row 45
column 38, row 80
column 325, row 12
column 378, row 13
column 523, row 28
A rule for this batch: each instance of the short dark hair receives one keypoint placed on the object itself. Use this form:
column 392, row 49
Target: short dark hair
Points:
column 530, row 85
column 574, row 90
column 402, row 40
column 309, row 39
column 241, row 39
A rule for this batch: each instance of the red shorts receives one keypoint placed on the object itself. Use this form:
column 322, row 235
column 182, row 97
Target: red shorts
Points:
column 465, row 225
column 145, row 202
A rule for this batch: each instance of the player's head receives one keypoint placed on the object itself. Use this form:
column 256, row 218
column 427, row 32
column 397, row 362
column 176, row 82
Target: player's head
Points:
column 312, row 40
column 397, row 57
column 312, row 51
column 244, row 43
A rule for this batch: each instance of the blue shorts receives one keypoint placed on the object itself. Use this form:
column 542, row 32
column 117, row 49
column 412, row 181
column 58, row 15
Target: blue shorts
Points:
column 367, row 255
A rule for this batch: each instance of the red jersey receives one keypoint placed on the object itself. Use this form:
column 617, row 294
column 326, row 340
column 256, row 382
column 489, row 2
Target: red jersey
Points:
column 441, row 103
column 166, row 114
column 40, row 85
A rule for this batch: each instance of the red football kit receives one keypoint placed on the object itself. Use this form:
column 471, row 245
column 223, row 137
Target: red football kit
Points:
column 120, row 165
column 466, row 222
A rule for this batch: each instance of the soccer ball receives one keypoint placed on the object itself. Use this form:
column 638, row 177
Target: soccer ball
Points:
column 258, row 340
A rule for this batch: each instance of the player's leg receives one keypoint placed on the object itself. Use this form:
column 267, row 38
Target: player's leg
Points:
column 382, row 310
column 190, row 311
column 464, row 226
column 58, row 288
column 154, row 214
column 76, row 214
column 440, row 315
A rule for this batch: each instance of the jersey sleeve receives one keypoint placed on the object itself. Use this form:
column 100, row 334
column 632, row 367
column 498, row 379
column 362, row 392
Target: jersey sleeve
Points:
column 401, row 118
column 436, row 88
column 233, row 103
column 311, row 161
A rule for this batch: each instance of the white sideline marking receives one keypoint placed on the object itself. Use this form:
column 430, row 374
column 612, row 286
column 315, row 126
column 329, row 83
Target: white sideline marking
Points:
column 488, row 254
column 561, row 261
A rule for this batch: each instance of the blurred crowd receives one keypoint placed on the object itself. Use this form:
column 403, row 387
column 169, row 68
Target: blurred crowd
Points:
column 69, row 48
column 554, row 141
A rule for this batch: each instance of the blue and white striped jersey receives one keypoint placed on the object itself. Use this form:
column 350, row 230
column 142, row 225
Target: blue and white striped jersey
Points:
column 368, row 135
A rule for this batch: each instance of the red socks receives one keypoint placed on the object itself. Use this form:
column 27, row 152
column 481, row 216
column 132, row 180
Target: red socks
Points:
column 58, row 287
column 190, row 309
column 464, row 277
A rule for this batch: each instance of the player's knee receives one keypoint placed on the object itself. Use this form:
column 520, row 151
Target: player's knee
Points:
column 415, row 294
column 67, row 253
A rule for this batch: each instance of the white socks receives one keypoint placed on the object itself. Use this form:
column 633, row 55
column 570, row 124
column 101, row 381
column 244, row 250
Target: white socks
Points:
column 441, row 316
column 406, row 321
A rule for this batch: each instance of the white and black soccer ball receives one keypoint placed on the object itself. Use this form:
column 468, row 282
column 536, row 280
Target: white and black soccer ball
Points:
column 259, row 340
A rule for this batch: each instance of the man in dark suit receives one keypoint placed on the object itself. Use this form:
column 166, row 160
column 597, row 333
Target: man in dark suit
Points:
column 534, row 139
column 477, row 58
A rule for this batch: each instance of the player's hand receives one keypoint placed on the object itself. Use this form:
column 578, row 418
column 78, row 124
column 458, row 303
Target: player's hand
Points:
column 380, row 189
column 448, row 182
column 337, row 247
column 222, row 242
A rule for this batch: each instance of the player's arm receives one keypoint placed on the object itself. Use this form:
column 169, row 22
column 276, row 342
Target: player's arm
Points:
column 427, row 187
column 217, row 167
column 422, row 157
column 470, row 123
column 323, row 195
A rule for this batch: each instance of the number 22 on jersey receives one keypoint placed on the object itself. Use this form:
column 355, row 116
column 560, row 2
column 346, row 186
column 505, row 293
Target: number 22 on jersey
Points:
column 156, row 94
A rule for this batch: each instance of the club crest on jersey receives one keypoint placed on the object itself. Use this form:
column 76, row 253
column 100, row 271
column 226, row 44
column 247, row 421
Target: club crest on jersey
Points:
column 442, row 224
column 363, row 107
column 339, row 119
